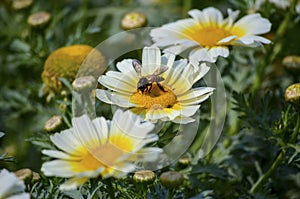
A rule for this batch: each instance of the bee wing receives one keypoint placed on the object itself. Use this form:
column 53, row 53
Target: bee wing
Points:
column 160, row 70
column 137, row 67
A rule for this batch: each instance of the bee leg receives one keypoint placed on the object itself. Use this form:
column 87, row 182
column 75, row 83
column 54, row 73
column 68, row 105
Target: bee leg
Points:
column 149, row 87
column 161, row 87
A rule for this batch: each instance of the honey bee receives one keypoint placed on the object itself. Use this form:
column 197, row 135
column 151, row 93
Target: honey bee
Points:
column 145, row 83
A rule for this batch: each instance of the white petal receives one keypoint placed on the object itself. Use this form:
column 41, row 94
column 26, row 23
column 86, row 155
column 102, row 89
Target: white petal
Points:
column 73, row 183
column 123, row 77
column 208, row 15
column 20, row 196
column 196, row 100
column 149, row 154
column 227, row 39
column 188, row 111
column 116, row 85
column 86, row 131
column 113, row 98
column 201, row 71
column 10, row 184
column 194, row 93
column 253, row 24
column 232, row 16
column 124, row 170
column 60, row 168
column 200, row 54
column 168, row 59
column 185, row 80
column 125, row 66
column 67, row 141
column 183, row 120
column 60, row 155
column 174, row 73
column 213, row 15
column 151, row 59
column 250, row 39
column 215, row 52
column 172, row 113
column 154, row 115
column 101, row 127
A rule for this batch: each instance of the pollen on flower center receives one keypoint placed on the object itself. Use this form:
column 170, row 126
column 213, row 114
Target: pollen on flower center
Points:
column 104, row 155
column 208, row 36
column 156, row 98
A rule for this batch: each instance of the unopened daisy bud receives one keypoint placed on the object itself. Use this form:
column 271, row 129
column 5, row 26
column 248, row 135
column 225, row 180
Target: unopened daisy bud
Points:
column 39, row 19
column 171, row 179
column 53, row 123
column 24, row 174
column 145, row 176
column 184, row 162
column 292, row 63
column 21, row 4
column 133, row 20
column 292, row 94
column 35, row 177
column 84, row 83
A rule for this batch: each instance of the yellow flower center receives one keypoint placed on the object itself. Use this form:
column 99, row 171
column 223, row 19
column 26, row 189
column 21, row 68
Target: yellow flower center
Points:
column 105, row 155
column 156, row 98
column 209, row 35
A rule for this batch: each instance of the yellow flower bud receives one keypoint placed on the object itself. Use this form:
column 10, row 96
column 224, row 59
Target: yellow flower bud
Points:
column 24, row 174
column 292, row 63
column 53, row 123
column 39, row 19
column 84, row 83
column 292, row 94
column 67, row 62
column 133, row 20
column 144, row 176
column 21, row 4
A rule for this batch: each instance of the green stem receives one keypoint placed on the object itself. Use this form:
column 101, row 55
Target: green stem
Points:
column 296, row 130
column 273, row 50
column 171, row 193
column 256, row 187
column 110, row 188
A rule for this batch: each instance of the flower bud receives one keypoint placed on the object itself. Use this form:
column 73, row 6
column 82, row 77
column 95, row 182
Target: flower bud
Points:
column 35, row 177
column 292, row 63
column 133, row 20
column 21, row 4
column 84, row 83
column 68, row 62
column 39, row 19
column 24, row 174
column 184, row 162
column 292, row 94
column 53, row 124
column 171, row 179
column 144, row 176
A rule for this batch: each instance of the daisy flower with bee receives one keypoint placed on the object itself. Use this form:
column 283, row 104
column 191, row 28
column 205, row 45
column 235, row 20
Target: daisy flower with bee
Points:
column 158, row 88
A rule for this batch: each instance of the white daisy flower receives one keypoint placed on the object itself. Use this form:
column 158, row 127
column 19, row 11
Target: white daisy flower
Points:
column 99, row 147
column 209, row 34
column 168, row 96
column 11, row 187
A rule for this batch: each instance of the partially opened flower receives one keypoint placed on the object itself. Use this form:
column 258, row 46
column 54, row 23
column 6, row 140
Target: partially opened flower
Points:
column 93, row 148
column 158, row 89
column 209, row 35
column 11, row 186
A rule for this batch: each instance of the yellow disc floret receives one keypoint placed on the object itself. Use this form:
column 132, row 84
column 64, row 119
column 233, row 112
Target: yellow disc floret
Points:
column 65, row 63
column 210, row 35
column 156, row 98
